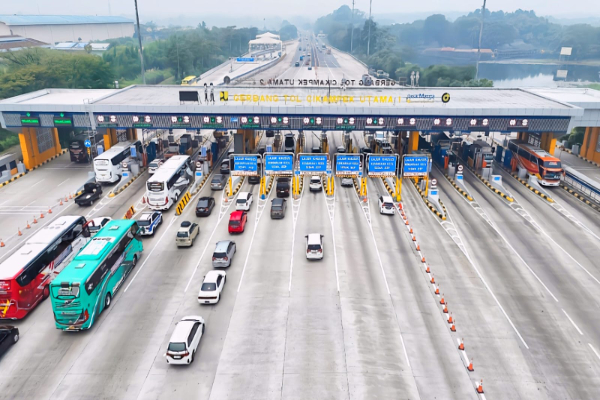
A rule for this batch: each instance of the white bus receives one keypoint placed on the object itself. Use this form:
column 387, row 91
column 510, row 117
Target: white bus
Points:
column 108, row 166
column 168, row 182
column 25, row 276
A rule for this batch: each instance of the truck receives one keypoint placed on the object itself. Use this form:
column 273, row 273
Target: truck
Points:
column 328, row 51
column 91, row 193
column 381, row 74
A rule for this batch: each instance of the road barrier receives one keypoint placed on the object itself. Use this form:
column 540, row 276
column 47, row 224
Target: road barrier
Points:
column 583, row 198
column 387, row 186
column 14, row 178
column 183, row 202
column 130, row 213
column 493, row 189
column 428, row 203
column 126, row 185
column 534, row 190
column 459, row 189
column 64, row 151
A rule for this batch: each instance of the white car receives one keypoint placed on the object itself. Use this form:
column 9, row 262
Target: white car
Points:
column 154, row 165
column 97, row 223
column 212, row 286
column 347, row 181
column 386, row 205
column 244, row 201
column 185, row 340
column 314, row 246
column 315, row 183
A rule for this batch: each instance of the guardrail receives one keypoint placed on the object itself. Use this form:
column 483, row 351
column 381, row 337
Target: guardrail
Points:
column 583, row 184
column 259, row 69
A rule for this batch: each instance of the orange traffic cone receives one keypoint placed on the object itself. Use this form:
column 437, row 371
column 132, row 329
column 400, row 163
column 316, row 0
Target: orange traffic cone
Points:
column 411, row 231
column 453, row 327
column 406, row 222
column 66, row 199
column 19, row 232
column 418, row 248
column 41, row 215
column 34, row 220
column 442, row 301
column 414, row 238
column 480, row 387
column 28, row 226
column 423, row 260
column 49, row 211
column 70, row 196
column 437, row 290
column 427, row 269
column 432, row 279
column 450, row 319
column 61, row 203
column 144, row 200
column 445, row 308
column 461, row 346
column 470, row 367
column 2, row 243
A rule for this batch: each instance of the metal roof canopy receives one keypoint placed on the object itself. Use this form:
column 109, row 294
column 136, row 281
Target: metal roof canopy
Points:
column 15, row 20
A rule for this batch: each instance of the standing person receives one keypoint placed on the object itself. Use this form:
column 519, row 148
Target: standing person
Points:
column 212, row 93
column 206, row 93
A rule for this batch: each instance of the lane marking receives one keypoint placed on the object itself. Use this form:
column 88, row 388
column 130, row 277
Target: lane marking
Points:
column 68, row 179
column 295, row 213
column 576, row 327
column 149, row 254
column 594, row 350
column 38, row 182
column 331, row 220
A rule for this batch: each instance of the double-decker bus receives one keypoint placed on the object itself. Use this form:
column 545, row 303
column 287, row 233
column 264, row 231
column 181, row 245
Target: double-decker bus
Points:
column 168, row 182
column 26, row 275
column 538, row 162
column 87, row 285
column 108, row 166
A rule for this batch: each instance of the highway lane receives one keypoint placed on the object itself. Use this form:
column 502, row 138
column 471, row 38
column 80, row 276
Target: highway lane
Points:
column 432, row 349
column 36, row 192
column 584, row 213
column 536, row 316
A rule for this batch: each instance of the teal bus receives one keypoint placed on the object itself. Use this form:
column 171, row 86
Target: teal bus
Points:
column 88, row 283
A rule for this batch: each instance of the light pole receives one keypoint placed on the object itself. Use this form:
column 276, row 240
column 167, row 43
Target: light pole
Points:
column 480, row 35
column 352, row 29
column 137, row 19
column 370, row 22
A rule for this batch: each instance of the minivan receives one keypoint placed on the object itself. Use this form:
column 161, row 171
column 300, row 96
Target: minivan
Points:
column 289, row 143
column 278, row 207
column 223, row 254
column 185, row 340
column 218, row 182
column 283, row 187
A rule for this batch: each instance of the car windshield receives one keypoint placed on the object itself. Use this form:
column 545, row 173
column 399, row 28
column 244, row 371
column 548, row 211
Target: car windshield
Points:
column 388, row 204
column 276, row 208
column 312, row 247
column 208, row 287
column 203, row 203
column 234, row 223
column 219, row 255
column 315, row 180
column 177, row 347
column 217, row 179
column 182, row 234
column 241, row 201
column 144, row 222
column 153, row 165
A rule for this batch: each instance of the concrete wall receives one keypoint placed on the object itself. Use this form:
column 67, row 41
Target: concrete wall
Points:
column 71, row 33
column 30, row 149
column 4, row 30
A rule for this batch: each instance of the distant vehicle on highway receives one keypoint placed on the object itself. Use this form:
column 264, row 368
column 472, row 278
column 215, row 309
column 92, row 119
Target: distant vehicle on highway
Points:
column 237, row 221
column 154, row 165
column 224, row 167
column 218, row 182
column 108, row 166
column 538, row 162
column 169, row 182
column 185, row 340
column 223, row 254
column 188, row 80
column 78, row 151
column 149, row 221
column 26, row 275
column 212, row 286
column 315, row 184
column 386, row 205
column 340, row 149
column 9, row 335
column 297, row 64
column 244, row 201
column 187, row 233
column 88, row 284
column 91, row 192
column 278, row 208
column 314, row 246
column 282, row 188
column 310, row 68
column 205, row 206
column 347, row 181
column 289, row 143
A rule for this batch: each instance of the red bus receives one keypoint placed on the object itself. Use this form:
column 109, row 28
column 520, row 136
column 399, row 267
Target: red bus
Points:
column 538, row 162
column 25, row 276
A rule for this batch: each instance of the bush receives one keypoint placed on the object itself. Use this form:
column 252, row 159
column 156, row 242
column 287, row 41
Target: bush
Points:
column 8, row 139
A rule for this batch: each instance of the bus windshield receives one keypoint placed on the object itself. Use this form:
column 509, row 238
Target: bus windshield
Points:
column 552, row 164
column 156, row 186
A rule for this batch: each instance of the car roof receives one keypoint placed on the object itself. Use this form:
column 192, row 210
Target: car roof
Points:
column 315, row 177
column 314, row 238
column 236, row 214
column 205, row 198
column 243, row 195
column 182, row 331
column 222, row 245
column 278, row 201
column 146, row 216
column 387, row 198
column 212, row 275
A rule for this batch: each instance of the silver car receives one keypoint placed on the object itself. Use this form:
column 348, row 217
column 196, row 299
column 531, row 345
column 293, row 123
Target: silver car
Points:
column 223, row 254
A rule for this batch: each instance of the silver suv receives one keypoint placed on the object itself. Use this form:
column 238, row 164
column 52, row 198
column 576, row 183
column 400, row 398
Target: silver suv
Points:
column 223, row 254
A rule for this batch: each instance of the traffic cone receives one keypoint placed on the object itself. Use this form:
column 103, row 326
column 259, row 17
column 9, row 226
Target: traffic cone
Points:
column 450, row 321
column 61, row 203
column 480, row 387
column 66, row 199
column 423, row 260
column 432, row 279
column 2, row 243
column 437, row 290
column 406, row 223
column 28, row 226
column 34, row 220
column 400, row 206
column 461, row 346
column 445, row 308
column 70, row 196
column 418, row 248
column 19, row 232
column 49, row 211
column 453, row 326
column 470, row 367
column 144, row 200
column 414, row 238
column 442, row 301
column 411, row 231
column 41, row 215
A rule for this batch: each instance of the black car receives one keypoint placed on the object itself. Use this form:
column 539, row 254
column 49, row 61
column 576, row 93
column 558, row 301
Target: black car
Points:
column 224, row 167
column 9, row 335
column 91, row 192
column 261, row 150
column 278, row 207
column 254, row 179
column 283, row 187
column 205, row 206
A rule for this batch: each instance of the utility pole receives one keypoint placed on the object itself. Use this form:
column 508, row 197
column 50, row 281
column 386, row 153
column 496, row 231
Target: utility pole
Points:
column 352, row 28
column 137, row 19
column 369, row 37
column 480, row 36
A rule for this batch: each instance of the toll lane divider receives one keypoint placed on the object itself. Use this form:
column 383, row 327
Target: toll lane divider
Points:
column 583, row 158
column 125, row 186
column 14, row 178
column 428, row 203
column 581, row 197
column 459, row 189
column 201, row 185
column 387, row 186
column 493, row 189
column 183, row 202
column 22, row 174
column 356, row 187
column 238, row 186
column 270, row 185
column 64, row 151
column 534, row 190
column 439, row 298
column 130, row 213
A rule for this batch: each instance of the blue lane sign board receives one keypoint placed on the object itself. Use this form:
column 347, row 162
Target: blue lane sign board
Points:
column 244, row 59
column 316, row 163
column 347, row 164
column 203, row 151
column 133, row 151
column 87, row 143
column 279, row 164
column 269, row 148
column 245, row 165
column 415, row 166
column 384, row 165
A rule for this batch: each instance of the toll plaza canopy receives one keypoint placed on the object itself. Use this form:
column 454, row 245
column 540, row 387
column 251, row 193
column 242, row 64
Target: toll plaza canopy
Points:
column 299, row 104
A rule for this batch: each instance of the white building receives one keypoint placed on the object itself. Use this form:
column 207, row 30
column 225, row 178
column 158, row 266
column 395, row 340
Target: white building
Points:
column 264, row 43
column 65, row 28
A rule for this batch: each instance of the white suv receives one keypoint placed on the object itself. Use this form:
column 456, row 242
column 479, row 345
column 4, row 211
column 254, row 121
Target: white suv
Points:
column 386, row 205
column 210, row 291
column 185, row 340
column 314, row 246
column 315, row 183
column 244, row 201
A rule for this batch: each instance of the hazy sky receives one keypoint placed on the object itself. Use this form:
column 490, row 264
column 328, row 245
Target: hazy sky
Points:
column 283, row 8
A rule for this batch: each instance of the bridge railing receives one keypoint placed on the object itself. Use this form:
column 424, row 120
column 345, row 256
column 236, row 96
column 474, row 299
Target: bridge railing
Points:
column 582, row 184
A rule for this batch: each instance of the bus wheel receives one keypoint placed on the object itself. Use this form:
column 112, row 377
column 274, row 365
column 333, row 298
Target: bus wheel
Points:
column 46, row 292
column 107, row 300
column 134, row 262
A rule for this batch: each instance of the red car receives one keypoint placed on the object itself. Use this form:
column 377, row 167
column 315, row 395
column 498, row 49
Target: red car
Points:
column 237, row 221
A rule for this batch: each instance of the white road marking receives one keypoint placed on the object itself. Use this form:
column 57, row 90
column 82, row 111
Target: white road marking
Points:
column 150, row 254
column 38, row 182
column 295, row 212
column 248, row 254
column 68, row 179
column 576, row 327
column 335, row 260
column 594, row 350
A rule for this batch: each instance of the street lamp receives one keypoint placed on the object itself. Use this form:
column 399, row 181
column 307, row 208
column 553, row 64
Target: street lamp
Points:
column 370, row 22
column 480, row 35
column 137, row 19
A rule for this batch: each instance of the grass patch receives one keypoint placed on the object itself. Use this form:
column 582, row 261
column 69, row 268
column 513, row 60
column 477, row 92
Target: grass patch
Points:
column 8, row 139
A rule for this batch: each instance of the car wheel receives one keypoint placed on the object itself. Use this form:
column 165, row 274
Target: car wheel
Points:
column 134, row 262
column 203, row 327
column 224, row 280
column 107, row 300
column 193, row 354
column 16, row 338
column 46, row 292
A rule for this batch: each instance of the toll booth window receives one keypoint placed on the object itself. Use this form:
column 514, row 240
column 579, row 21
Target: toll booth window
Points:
column 13, row 164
